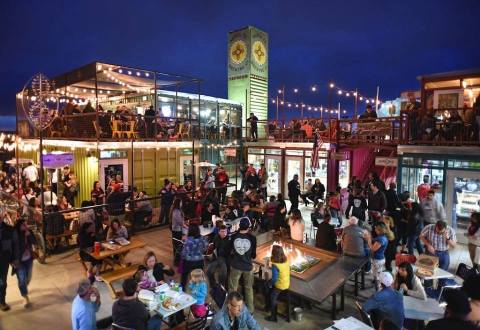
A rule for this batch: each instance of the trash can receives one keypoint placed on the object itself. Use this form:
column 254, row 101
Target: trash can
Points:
column 298, row 314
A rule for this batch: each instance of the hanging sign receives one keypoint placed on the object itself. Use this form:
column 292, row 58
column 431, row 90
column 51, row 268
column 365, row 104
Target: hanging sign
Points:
column 57, row 160
column 386, row 161
column 338, row 156
column 231, row 152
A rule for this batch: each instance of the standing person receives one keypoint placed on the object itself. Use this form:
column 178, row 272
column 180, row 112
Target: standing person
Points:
column 253, row 126
column 294, row 193
column 85, row 306
column 192, row 252
column 433, row 210
column 393, row 202
column 234, row 315
column 326, row 237
column 438, row 239
column 243, row 175
column 414, row 216
column 318, row 191
column 221, row 182
column 166, row 203
column 26, row 240
column 52, row 179
column 263, row 178
column 391, row 249
column 243, row 252
column 209, row 180
column 473, row 236
column 280, row 280
column 222, row 250
column 30, row 172
column 97, row 194
column 376, row 202
column 297, row 226
column 177, row 221
column 423, row 188
column 357, row 206
column 378, row 245
column 8, row 254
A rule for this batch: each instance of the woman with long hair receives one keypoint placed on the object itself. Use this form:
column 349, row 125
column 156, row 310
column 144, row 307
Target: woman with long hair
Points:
column 280, row 280
column 177, row 219
column 473, row 236
column 192, row 252
column 408, row 282
column 116, row 230
column 97, row 194
column 297, row 225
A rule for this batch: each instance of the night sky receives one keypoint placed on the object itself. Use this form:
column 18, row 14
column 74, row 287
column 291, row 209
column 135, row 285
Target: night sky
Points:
column 357, row 44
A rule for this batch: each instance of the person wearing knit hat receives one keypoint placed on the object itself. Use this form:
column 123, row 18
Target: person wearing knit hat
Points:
column 386, row 303
column 456, row 313
column 85, row 306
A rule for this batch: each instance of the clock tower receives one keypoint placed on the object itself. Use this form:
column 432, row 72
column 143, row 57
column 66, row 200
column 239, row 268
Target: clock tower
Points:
column 248, row 71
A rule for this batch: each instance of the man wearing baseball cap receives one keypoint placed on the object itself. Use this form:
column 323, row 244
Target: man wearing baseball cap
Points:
column 386, row 303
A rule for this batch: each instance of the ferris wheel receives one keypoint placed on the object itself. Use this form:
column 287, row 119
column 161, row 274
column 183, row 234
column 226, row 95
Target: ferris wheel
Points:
column 39, row 101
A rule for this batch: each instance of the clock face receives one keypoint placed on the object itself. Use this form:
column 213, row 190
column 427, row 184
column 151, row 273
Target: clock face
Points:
column 259, row 52
column 238, row 51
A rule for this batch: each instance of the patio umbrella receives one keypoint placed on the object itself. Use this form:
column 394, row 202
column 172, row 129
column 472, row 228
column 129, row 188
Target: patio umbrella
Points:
column 205, row 164
column 13, row 161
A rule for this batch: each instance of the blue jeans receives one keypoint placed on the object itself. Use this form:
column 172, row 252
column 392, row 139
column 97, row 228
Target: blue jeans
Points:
column 414, row 242
column 443, row 259
column 24, row 275
column 154, row 323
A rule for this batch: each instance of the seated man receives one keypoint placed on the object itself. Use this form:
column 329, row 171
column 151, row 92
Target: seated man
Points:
column 142, row 210
column 234, row 315
column 386, row 303
column 307, row 193
column 129, row 312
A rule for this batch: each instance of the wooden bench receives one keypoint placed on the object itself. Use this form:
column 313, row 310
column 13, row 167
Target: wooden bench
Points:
column 67, row 234
column 116, row 275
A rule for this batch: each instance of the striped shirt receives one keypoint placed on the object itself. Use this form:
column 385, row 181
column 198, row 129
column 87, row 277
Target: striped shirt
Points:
column 438, row 241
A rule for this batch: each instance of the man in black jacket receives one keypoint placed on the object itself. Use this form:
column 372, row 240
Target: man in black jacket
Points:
column 223, row 248
column 243, row 252
column 376, row 202
column 167, row 201
column 293, row 193
column 9, row 253
column 129, row 312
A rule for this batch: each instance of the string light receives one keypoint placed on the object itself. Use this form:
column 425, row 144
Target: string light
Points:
column 314, row 88
column 295, row 90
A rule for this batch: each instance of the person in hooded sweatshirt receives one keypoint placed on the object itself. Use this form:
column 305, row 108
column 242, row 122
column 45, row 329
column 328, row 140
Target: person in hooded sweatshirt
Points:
column 131, row 313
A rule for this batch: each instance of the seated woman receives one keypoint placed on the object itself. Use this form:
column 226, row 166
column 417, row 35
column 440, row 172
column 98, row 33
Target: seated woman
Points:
column 407, row 282
column 152, row 273
column 86, row 240
column 297, row 226
column 116, row 230
column 63, row 204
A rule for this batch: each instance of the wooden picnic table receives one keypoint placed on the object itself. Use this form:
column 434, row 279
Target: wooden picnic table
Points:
column 108, row 254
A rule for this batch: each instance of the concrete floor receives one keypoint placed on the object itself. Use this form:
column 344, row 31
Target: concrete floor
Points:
column 54, row 284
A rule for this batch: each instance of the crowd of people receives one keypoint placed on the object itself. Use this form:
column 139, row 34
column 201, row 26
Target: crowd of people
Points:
column 368, row 221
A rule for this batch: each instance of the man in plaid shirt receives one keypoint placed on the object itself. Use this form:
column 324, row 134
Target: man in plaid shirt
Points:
column 438, row 238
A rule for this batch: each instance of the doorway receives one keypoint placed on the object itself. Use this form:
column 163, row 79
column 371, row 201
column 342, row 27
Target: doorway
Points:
column 110, row 168
column 186, row 169
column 462, row 198
column 273, row 165
column 294, row 165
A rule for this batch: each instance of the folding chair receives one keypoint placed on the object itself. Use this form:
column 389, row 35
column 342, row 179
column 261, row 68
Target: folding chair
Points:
column 364, row 315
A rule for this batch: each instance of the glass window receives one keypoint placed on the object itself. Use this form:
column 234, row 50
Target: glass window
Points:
column 255, row 151
column 413, row 177
column 344, row 173
column 294, row 152
column 274, row 151
column 463, row 164
column 319, row 173
column 418, row 161
column 256, row 160
column 105, row 154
